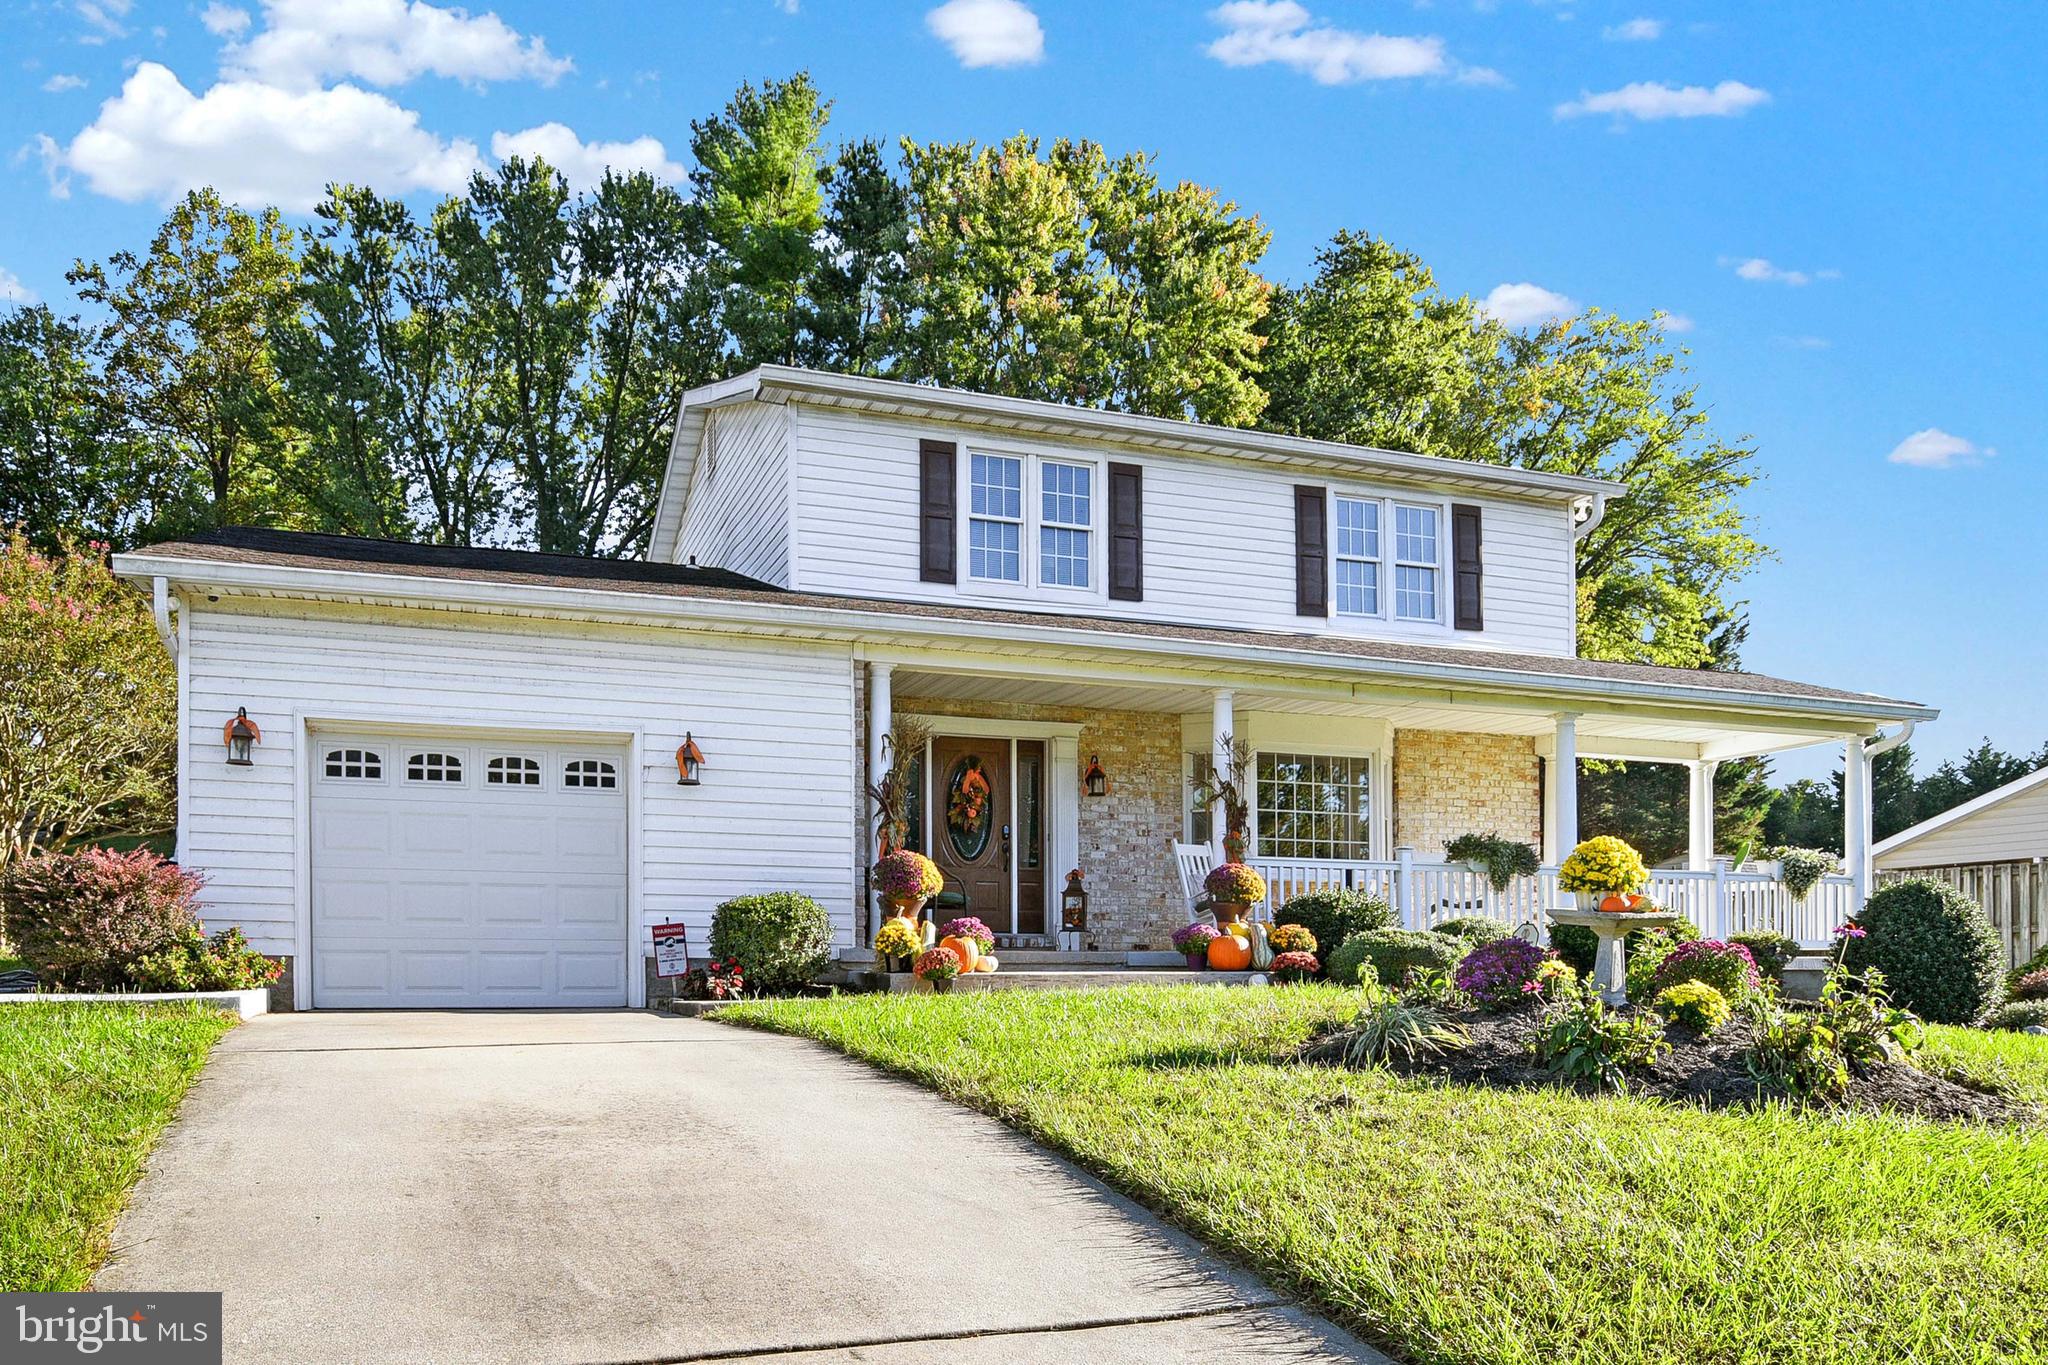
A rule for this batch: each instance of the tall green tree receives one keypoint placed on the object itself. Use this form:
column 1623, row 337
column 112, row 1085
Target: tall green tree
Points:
column 759, row 195
column 189, row 360
column 859, row 279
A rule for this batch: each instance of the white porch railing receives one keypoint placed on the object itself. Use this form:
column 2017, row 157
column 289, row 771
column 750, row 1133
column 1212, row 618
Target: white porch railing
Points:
column 1426, row 892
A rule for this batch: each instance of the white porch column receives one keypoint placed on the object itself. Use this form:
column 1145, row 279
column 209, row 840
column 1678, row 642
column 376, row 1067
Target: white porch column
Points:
column 1563, row 824
column 1699, row 846
column 881, row 706
column 1222, row 732
column 1856, row 822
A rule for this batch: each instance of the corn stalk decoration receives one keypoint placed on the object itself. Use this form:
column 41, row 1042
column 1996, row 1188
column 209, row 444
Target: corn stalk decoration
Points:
column 901, row 749
column 1228, row 788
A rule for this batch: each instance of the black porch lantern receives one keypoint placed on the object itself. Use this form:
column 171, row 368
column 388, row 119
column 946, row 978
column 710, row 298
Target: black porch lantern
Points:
column 239, row 734
column 689, row 758
column 1095, row 782
column 1074, row 905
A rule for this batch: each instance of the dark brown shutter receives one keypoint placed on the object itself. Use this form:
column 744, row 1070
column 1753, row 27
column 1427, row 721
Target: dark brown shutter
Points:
column 1468, row 576
column 938, row 471
column 1311, row 551
column 1126, row 533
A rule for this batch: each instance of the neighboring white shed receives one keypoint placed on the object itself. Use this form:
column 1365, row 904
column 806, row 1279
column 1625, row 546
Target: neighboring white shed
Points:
column 1991, row 849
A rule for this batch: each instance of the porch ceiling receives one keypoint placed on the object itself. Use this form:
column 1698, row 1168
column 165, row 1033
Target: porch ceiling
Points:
column 1616, row 735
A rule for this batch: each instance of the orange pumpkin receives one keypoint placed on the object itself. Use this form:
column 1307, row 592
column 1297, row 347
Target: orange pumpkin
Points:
column 1615, row 905
column 967, row 948
column 1229, row 953
column 984, row 964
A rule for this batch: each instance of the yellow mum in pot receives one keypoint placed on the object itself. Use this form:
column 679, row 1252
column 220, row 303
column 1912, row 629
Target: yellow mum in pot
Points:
column 1605, row 866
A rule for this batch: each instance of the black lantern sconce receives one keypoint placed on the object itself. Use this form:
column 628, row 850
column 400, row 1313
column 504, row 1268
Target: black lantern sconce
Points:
column 239, row 734
column 689, row 760
column 1095, row 781
column 1073, row 914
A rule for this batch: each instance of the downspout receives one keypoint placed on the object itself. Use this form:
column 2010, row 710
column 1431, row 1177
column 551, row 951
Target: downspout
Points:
column 1884, row 744
column 160, row 595
column 1858, row 838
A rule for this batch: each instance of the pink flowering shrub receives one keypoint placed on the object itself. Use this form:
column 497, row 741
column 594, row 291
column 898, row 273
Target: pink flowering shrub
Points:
column 2032, row 986
column 1505, row 974
column 84, row 919
column 1296, row 966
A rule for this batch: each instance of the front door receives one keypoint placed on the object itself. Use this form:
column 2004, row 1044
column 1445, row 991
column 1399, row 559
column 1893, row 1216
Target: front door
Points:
column 987, row 822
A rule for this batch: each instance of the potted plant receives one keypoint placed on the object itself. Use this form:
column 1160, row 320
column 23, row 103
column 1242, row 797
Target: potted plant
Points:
column 1802, row 868
column 1192, row 942
column 906, row 880
column 1604, row 873
column 1500, row 860
column 1295, row 966
column 1234, row 888
column 937, row 967
column 1292, row 938
column 896, row 943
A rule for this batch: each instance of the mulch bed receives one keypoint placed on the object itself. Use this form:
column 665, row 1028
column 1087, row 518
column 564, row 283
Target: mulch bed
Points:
column 1710, row 1072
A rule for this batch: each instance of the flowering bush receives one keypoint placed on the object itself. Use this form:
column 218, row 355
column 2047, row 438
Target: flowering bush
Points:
column 897, row 939
column 2032, row 986
column 1194, row 938
column 83, row 919
column 904, row 875
column 1235, row 884
column 938, row 964
column 1605, row 866
column 195, row 962
column 967, row 926
column 1291, row 938
column 1696, row 1005
column 1295, row 966
column 1502, row 975
column 721, row 979
column 1727, row 967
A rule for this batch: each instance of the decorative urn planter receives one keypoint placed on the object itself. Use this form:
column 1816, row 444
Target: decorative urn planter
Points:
column 907, row 906
column 1228, row 912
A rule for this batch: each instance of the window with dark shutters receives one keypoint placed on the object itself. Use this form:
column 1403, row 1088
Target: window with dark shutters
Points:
column 1311, row 551
column 938, row 473
column 1468, row 575
column 1126, row 533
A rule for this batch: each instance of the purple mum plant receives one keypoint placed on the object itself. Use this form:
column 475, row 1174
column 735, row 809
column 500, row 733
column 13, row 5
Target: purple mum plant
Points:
column 1727, row 967
column 1194, row 938
column 1505, row 974
column 967, row 926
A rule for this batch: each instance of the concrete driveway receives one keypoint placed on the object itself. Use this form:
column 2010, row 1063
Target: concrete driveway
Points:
column 609, row 1187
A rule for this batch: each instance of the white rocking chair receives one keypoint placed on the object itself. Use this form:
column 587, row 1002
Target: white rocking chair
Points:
column 1192, row 862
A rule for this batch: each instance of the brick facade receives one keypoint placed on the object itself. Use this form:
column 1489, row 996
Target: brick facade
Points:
column 1134, row 896
column 1448, row 783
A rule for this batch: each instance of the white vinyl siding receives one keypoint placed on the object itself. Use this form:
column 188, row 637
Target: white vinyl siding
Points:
column 1219, row 539
column 2012, row 830
column 775, row 811
column 739, row 516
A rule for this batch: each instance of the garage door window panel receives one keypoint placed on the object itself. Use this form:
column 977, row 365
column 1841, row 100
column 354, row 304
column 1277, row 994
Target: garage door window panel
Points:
column 512, row 771
column 584, row 774
column 353, row 765
column 433, row 766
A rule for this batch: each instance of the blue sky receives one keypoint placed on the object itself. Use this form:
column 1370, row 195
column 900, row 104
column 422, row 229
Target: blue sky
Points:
column 1843, row 203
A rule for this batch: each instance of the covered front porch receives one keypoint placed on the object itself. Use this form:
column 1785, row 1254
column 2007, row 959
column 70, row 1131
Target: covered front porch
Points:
column 1354, row 783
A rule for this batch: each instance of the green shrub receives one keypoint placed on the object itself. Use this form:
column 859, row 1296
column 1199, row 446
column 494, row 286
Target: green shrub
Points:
column 2037, row 963
column 1772, row 953
column 2019, row 1014
column 83, row 919
column 1940, row 955
column 1578, row 946
column 1336, row 914
column 1727, row 967
column 1394, row 953
column 195, row 962
column 1585, row 1040
column 1696, row 1005
column 781, row 939
column 1476, row 929
column 1346, row 965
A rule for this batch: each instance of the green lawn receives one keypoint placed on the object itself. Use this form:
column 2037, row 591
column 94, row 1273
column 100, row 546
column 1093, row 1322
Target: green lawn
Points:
column 84, row 1092
column 1451, row 1224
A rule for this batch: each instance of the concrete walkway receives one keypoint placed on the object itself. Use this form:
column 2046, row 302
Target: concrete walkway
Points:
column 610, row 1187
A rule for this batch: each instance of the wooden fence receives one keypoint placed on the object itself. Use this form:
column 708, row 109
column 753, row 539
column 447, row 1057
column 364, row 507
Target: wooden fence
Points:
column 2011, row 894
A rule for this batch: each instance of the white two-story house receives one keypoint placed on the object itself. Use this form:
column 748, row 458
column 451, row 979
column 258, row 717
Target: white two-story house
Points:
column 466, row 789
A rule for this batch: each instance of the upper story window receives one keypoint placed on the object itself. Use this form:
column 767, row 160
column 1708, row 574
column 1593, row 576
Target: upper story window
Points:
column 995, row 526
column 1358, row 556
column 1415, row 562
column 1066, row 516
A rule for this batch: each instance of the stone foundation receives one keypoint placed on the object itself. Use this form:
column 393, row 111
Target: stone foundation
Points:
column 1448, row 783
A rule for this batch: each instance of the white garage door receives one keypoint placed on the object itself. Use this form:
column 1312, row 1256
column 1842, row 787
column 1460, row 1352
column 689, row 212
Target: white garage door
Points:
column 474, row 874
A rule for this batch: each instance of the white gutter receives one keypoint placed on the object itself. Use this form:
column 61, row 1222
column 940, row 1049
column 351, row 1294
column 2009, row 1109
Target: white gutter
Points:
column 846, row 622
column 1883, row 744
column 160, row 603
column 1595, row 514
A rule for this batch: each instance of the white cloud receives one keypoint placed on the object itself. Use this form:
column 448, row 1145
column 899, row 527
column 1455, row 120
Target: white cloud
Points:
column 1757, row 270
column 60, row 83
column 1524, row 304
column 1284, row 32
column 1635, row 31
column 1648, row 101
column 12, row 290
column 224, row 21
column 1936, row 449
column 582, row 163
column 1678, row 324
column 1804, row 343
column 988, row 32
column 105, row 18
column 385, row 42
column 254, row 143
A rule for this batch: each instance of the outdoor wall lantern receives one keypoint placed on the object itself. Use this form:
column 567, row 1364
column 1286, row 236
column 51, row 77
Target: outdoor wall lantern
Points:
column 689, row 758
column 1074, row 904
column 1096, row 781
column 239, row 734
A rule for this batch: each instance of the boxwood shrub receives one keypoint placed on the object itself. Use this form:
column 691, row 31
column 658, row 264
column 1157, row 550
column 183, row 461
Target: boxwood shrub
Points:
column 781, row 939
column 1476, row 929
column 1772, row 953
column 2018, row 1014
column 1940, row 957
column 1393, row 953
column 1335, row 915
